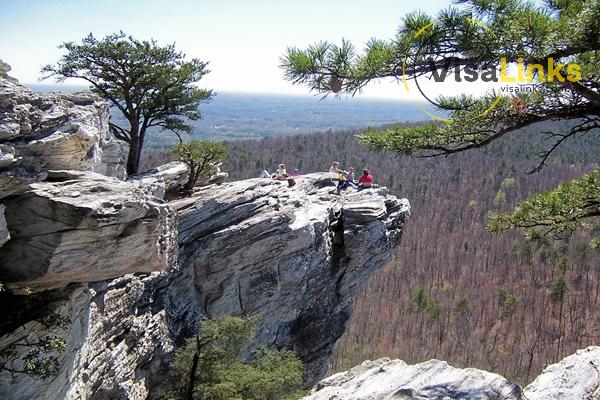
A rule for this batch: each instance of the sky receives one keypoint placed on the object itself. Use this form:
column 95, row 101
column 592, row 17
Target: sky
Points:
column 242, row 40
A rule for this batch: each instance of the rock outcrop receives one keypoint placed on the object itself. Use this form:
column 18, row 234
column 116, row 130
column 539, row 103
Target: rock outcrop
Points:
column 55, row 131
column 163, row 179
column 39, row 132
column 4, row 233
column 575, row 377
column 133, row 273
column 293, row 255
column 84, row 227
column 394, row 379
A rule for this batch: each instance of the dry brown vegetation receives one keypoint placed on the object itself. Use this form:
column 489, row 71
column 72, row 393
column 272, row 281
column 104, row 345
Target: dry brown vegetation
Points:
column 455, row 291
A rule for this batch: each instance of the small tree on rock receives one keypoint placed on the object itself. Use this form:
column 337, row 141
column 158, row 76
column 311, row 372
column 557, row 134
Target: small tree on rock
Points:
column 201, row 157
column 151, row 85
column 213, row 365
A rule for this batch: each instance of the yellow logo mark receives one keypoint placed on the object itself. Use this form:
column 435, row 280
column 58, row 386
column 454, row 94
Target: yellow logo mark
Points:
column 550, row 72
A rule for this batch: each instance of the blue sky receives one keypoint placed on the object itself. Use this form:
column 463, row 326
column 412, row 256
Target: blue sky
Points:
column 243, row 40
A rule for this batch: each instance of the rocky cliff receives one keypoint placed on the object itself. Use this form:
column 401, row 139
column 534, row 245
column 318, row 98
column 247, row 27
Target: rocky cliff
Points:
column 576, row 377
column 134, row 274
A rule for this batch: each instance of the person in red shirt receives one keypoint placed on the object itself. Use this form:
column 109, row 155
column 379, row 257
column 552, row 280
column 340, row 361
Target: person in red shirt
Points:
column 365, row 181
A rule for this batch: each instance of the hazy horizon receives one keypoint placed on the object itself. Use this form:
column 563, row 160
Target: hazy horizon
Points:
column 242, row 40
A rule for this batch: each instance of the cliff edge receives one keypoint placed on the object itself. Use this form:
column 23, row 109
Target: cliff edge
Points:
column 134, row 274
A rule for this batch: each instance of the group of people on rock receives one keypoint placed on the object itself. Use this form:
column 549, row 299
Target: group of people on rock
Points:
column 345, row 178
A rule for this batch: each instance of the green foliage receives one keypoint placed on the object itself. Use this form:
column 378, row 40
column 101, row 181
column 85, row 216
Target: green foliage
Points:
column 500, row 198
column 150, row 85
column 507, row 183
column 462, row 306
column 558, row 288
column 435, row 309
column 201, row 157
column 422, row 302
column 558, row 212
column 507, row 301
column 566, row 31
column 420, row 299
column 215, row 359
column 447, row 287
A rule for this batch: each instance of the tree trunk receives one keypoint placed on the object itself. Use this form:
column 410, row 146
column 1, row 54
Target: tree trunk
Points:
column 135, row 148
column 133, row 157
column 189, row 392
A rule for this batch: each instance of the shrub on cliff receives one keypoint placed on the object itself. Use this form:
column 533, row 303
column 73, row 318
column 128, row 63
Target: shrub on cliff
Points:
column 200, row 156
column 150, row 85
column 212, row 365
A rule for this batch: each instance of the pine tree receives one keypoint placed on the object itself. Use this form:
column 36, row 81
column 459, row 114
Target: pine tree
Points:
column 150, row 85
column 568, row 31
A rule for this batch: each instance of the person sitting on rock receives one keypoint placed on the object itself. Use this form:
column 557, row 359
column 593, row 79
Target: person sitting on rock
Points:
column 350, row 178
column 365, row 181
column 342, row 181
column 281, row 173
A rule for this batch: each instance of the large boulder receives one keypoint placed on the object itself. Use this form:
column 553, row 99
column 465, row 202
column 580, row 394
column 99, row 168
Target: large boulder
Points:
column 431, row 380
column 574, row 377
column 163, row 179
column 114, row 155
column 84, row 227
column 52, row 131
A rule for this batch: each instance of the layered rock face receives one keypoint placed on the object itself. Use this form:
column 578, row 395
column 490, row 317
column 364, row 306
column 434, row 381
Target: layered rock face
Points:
column 84, row 227
column 575, row 377
column 56, row 131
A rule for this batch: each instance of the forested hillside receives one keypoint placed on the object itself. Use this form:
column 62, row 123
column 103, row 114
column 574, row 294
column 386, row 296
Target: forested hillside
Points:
column 456, row 292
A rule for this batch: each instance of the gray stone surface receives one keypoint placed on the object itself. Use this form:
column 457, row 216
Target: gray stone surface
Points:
column 290, row 254
column 4, row 70
column 575, row 377
column 117, row 342
column 114, row 156
column 52, row 131
column 431, row 380
column 84, row 227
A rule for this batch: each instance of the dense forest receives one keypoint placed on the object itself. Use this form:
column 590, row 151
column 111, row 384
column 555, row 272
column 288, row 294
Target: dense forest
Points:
column 454, row 291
